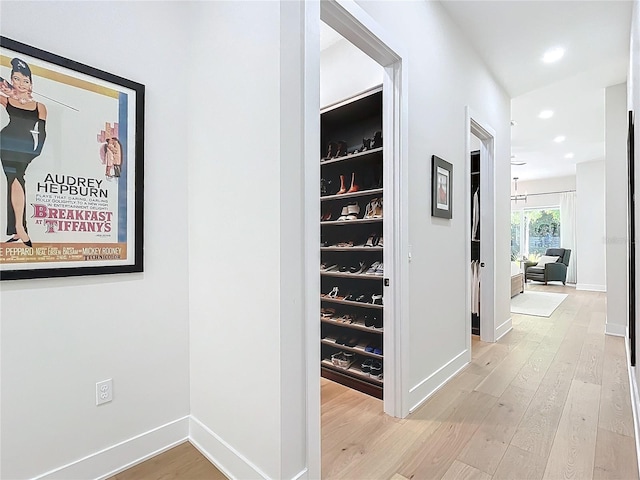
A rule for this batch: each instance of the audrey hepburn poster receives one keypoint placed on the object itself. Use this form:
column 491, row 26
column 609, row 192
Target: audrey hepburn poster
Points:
column 71, row 149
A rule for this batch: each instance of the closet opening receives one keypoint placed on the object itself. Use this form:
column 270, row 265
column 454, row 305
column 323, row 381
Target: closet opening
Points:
column 476, row 264
column 481, row 234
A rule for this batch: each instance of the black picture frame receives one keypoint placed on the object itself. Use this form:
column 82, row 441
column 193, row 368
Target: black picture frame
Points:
column 632, row 236
column 82, row 181
column 441, row 188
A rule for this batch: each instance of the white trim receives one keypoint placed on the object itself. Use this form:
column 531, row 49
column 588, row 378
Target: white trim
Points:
column 487, row 136
column 310, row 216
column 591, row 288
column 125, row 454
column 418, row 385
column 226, row 458
column 504, row 328
column 441, row 381
column 615, row 330
column 302, row 474
column 354, row 24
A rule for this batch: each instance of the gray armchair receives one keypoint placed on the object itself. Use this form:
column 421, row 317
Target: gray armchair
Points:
column 551, row 272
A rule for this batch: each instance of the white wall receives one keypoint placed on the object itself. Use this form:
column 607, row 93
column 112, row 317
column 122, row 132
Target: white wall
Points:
column 246, row 238
column 61, row 336
column 345, row 71
column 445, row 75
column 590, row 226
column 616, row 208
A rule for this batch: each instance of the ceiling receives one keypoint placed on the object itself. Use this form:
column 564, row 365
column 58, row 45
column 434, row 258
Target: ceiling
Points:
column 512, row 36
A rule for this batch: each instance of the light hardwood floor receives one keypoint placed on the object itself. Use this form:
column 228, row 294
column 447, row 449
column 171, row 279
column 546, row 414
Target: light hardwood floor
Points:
column 550, row 400
column 183, row 462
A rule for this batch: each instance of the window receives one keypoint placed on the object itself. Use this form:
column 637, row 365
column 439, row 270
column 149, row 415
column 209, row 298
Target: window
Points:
column 533, row 231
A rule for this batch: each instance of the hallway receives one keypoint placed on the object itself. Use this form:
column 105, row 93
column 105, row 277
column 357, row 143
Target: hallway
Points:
column 549, row 400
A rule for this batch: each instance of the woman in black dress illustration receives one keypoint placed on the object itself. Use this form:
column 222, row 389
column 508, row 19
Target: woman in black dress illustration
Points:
column 21, row 141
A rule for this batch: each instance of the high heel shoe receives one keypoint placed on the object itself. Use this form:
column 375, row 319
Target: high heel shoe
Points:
column 12, row 239
column 354, row 187
column 343, row 188
column 28, row 243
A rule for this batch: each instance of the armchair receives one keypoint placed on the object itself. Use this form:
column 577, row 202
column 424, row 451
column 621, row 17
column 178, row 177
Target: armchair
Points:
column 551, row 272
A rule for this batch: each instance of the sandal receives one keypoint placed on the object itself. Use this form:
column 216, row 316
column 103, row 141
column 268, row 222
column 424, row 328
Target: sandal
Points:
column 333, row 293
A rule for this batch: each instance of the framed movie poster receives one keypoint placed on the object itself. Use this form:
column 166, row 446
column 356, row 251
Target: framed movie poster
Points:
column 71, row 148
column 441, row 188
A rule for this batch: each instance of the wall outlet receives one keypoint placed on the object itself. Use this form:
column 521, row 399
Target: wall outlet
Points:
column 104, row 391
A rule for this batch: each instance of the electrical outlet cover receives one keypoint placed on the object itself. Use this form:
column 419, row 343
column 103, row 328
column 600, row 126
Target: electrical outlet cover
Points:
column 104, row 391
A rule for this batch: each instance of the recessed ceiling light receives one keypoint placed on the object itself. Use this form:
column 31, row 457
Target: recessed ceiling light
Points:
column 569, row 155
column 545, row 114
column 559, row 139
column 518, row 164
column 553, row 55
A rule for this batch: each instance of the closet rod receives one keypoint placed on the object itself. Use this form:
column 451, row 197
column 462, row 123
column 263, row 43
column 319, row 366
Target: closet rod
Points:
column 546, row 193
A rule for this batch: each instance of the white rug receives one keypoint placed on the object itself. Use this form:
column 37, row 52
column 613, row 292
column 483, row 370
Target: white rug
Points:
column 539, row 304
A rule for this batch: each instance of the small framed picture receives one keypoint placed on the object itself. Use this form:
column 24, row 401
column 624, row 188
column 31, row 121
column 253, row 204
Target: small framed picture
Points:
column 441, row 188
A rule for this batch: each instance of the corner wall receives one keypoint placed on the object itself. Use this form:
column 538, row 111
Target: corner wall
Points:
column 591, row 226
column 60, row 336
column 616, row 240
column 246, row 238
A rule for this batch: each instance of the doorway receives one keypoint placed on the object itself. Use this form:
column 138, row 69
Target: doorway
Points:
column 480, row 137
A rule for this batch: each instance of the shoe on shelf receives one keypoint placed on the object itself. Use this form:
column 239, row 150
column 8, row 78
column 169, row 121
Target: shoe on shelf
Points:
column 327, row 313
column 371, row 240
column 361, row 298
column 331, row 150
column 377, row 140
column 352, row 342
column 380, row 269
column 376, row 299
column 333, row 293
column 354, row 186
column 379, row 242
column 366, row 365
column 341, row 150
column 343, row 188
column 328, row 267
column 345, row 244
column 373, row 268
column 376, row 369
column 353, row 209
column 369, row 321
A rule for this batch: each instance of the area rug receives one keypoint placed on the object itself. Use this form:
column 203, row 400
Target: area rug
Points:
column 539, row 304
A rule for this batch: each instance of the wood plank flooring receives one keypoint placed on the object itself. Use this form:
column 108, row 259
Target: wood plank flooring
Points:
column 550, row 400
column 182, row 462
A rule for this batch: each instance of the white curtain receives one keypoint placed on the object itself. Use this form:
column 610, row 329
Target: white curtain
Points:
column 568, row 231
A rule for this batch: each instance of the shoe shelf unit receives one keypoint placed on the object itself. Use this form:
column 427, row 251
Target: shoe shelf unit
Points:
column 352, row 247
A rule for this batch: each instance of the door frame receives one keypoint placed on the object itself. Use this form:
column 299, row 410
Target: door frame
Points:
column 358, row 27
column 489, row 331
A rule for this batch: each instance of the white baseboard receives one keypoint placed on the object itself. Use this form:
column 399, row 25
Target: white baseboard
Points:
column 419, row 393
column 123, row 455
column 503, row 329
column 226, row 458
column 591, row 288
column 635, row 404
column 615, row 329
